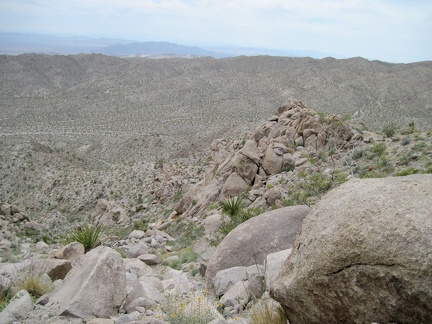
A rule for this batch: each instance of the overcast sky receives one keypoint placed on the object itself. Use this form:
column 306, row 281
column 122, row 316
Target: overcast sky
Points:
column 388, row 30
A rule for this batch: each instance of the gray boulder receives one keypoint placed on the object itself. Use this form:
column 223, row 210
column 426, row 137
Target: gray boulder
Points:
column 72, row 252
column 136, row 250
column 363, row 255
column 139, row 268
column 273, row 265
column 224, row 279
column 95, row 287
column 250, row 242
column 17, row 309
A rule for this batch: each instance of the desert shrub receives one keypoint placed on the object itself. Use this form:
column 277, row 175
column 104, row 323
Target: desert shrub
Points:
column 187, row 232
column 381, row 165
column 34, row 285
column 418, row 147
column 311, row 187
column 267, row 311
column 405, row 141
column 357, row 154
column 87, row 235
column 231, row 221
column 213, row 206
column 407, row 171
column 4, row 301
column 389, row 130
column 195, row 309
column 378, row 149
column 141, row 224
column 177, row 196
column 404, row 160
column 185, row 255
column 411, row 129
column 31, row 280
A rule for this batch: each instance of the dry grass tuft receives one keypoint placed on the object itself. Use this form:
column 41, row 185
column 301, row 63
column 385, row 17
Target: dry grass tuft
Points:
column 267, row 311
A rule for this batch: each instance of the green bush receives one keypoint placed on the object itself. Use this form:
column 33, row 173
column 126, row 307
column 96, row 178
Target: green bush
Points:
column 312, row 186
column 234, row 214
column 229, row 222
column 87, row 235
column 407, row 171
column 405, row 141
column 185, row 255
column 389, row 130
column 4, row 301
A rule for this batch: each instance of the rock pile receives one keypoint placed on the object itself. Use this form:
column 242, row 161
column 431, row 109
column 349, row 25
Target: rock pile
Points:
column 274, row 147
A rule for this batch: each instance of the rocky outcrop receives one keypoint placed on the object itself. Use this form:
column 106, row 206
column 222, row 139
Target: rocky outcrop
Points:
column 250, row 242
column 274, row 147
column 363, row 255
column 13, row 213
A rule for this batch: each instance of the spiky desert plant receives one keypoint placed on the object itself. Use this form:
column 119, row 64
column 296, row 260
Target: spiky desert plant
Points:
column 267, row 311
column 232, row 206
column 87, row 235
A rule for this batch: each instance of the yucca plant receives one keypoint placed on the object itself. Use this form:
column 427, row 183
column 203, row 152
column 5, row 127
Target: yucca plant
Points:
column 87, row 235
column 232, row 206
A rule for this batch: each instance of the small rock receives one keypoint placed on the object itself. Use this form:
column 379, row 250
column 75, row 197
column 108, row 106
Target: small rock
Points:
column 150, row 259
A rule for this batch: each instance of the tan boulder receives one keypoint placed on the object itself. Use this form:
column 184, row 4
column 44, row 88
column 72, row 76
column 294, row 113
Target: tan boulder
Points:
column 245, row 168
column 250, row 150
column 272, row 161
column 234, row 185
column 363, row 255
column 72, row 252
column 250, row 242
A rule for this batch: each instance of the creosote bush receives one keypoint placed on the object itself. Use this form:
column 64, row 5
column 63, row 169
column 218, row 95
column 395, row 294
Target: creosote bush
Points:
column 87, row 235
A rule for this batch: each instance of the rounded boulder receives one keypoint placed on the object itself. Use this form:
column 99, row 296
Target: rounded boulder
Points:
column 363, row 255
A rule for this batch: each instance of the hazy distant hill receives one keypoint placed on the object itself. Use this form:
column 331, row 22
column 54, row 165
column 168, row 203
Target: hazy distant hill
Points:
column 156, row 48
column 20, row 43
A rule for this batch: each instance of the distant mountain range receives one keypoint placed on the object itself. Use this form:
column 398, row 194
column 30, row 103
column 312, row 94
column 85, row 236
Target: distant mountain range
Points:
column 19, row 43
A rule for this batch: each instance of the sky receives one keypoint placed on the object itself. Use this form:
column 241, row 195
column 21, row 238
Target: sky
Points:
column 398, row 31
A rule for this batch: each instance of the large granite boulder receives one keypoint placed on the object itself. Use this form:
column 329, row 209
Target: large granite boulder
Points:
column 363, row 255
column 95, row 287
column 250, row 242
